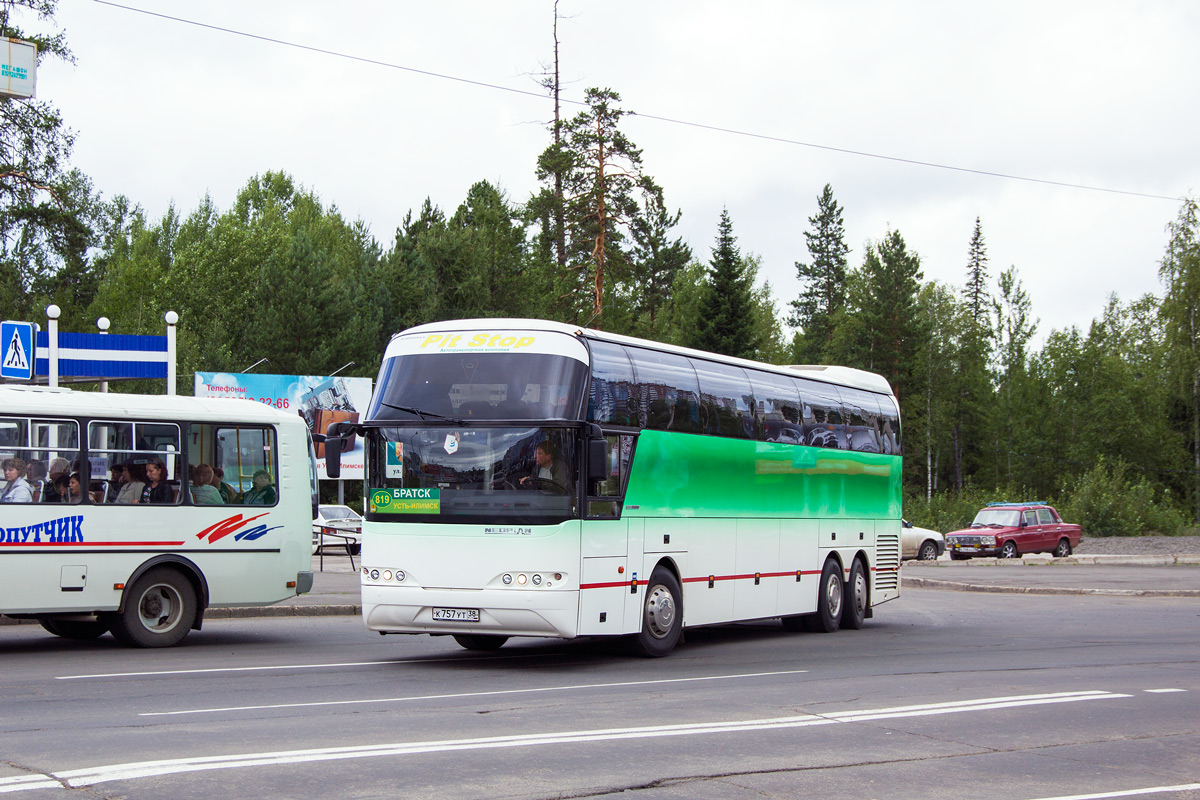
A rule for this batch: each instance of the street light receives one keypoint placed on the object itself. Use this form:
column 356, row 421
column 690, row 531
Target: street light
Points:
column 252, row 366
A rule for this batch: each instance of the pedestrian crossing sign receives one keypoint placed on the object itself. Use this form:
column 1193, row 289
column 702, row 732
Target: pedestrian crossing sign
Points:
column 16, row 345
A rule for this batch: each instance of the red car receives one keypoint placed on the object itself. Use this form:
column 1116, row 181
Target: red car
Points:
column 1009, row 530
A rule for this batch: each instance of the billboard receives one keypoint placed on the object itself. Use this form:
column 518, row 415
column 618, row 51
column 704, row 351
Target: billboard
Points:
column 319, row 399
column 18, row 69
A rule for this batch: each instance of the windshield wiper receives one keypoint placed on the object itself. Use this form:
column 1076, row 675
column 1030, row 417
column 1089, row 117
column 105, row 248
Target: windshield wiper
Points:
column 425, row 414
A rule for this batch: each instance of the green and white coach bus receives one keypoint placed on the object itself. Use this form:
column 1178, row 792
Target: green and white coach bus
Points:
column 530, row 478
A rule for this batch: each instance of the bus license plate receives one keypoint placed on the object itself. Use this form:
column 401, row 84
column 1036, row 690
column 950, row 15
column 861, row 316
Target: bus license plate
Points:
column 456, row 614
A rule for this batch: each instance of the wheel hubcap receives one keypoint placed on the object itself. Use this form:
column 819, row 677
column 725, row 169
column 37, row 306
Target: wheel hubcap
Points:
column 833, row 596
column 160, row 609
column 660, row 611
column 860, row 594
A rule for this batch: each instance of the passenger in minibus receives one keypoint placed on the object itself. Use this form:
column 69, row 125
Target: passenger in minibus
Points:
column 157, row 490
column 203, row 492
column 17, row 490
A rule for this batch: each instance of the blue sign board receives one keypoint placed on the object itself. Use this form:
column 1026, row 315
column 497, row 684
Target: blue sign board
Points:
column 16, row 350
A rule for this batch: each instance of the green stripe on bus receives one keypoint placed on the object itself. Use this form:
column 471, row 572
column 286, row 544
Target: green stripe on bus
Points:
column 688, row 475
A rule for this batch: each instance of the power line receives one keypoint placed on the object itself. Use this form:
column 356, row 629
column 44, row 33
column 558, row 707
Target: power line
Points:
column 668, row 120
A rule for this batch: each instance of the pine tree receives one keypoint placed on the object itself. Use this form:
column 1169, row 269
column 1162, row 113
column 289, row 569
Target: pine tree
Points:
column 823, row 281
column 600, row 171
column 726, row 321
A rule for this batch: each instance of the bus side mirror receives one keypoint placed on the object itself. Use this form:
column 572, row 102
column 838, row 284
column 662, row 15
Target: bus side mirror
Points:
column 333, row 457
column 333, row 451
column 597, row 454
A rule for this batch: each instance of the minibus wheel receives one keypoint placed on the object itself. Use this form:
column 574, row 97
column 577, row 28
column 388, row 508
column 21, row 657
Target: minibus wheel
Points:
column 75, row 628
column 160, row 609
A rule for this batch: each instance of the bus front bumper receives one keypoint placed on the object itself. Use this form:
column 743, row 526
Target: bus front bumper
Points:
column 505, row 612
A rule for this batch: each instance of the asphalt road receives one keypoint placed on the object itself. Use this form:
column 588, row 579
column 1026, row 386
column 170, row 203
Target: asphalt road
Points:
column 942, row 695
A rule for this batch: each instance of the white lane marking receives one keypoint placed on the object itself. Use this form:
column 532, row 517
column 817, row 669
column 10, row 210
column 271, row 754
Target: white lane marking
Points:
column 145, row 769
column 23, row 783
column 495, row 693
column 459, row 659
column 1183, row 787
column 1163, row 691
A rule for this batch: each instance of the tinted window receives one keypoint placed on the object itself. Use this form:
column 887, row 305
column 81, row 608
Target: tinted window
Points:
column 726, row 400
column 889, row 425
column 862, row 417
column 612, row 398
column 1045, row 517
column 777, row 402
column 824, row 424
column 499, row 386
column 668, row 393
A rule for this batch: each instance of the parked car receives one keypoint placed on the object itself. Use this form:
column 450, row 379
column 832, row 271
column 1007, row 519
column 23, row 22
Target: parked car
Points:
column 341, row 520
column 920, row 543
column 1010, row 530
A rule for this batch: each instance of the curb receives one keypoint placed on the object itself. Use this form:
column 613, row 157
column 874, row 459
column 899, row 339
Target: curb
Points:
column 1098, row 560
column 957, row 586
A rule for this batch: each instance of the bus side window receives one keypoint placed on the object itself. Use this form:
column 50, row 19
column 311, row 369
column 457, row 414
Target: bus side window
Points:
column 246, row 457
column 609, row 493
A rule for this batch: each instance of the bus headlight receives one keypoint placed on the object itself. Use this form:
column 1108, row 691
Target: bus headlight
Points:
column 537, row 579
column 506, row 579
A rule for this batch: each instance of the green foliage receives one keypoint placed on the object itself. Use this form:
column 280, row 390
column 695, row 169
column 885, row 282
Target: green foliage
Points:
column 1111, row 500
column 48, row 211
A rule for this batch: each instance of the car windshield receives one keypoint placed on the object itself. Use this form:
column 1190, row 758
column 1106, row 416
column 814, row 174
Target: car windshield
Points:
column 338, row 512
column 997, row 518
column 472, row 474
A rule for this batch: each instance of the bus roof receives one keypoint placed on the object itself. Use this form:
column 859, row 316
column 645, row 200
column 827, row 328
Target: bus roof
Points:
column 41, row 400
column 840, row 376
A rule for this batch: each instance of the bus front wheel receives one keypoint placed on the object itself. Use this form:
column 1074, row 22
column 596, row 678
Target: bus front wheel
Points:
column 662, row 615
column 480, row 641
column 159, row 610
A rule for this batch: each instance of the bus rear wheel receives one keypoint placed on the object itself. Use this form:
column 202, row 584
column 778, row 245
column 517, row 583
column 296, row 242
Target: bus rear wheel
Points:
column 662, row 616
column 857, row 596
column 159, row 610
column 75, row 628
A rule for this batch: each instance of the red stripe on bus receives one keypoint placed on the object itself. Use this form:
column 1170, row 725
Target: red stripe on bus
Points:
column 628, row 584
column 91, row 544
column 705, row 578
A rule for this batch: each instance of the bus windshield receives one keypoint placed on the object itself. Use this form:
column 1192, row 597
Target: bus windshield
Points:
column 479, row 386
column 422, row 474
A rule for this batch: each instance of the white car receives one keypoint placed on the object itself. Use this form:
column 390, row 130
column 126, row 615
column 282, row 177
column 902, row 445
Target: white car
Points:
column 343, row 526
column 920, row 543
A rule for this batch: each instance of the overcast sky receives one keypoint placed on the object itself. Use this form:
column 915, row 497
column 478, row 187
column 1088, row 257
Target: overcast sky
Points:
column 1094, row 93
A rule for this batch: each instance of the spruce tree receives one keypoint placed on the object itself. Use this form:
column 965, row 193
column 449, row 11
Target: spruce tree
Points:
column 823, row 280
column 975, row 294
column 726, row 323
